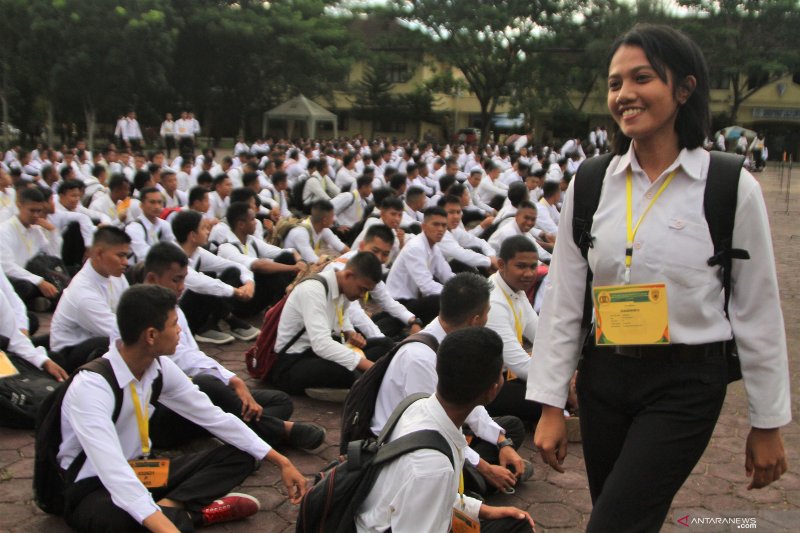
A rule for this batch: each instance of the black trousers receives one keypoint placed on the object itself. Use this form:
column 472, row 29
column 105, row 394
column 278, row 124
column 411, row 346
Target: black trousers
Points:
column 169, row 144
column 170, row 430
column 296, row 372
column 505, row 525
column 185, row 145
column 426, row 308
column 488, row 451
column 270, row 288
column 390, row 326
column 511, row 401
column 26, row 290
column 73, row 357
column 195, row 480
column 203, row 311
column 472, row 216
column 645, row 423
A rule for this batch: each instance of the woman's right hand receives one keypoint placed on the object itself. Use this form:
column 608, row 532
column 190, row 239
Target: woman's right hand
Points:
column 551, row 437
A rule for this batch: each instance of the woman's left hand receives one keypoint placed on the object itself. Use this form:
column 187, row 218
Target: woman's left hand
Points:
column 765, row 458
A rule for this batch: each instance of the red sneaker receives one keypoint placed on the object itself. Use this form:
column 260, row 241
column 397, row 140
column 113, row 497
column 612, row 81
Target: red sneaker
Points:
column 233, row 506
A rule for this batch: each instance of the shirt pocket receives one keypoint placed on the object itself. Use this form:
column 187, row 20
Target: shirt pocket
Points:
column 684, row 252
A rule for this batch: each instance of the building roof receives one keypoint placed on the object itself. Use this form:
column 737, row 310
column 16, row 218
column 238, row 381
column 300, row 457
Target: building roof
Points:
column 300, row 108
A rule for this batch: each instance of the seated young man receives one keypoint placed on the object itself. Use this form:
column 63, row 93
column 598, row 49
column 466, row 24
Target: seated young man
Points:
column 75, row 222
column 548, row 212
column 351, row 206
column 465, row 303
column 24, row 236
column 113, row 203
column 391, row 317
column 319, row 313
column 208, row 299
column 106, row 493
column 308, row 236
column 514, row 319
column 524, row 223
column 420, row 490
column 148, row 228
column 84, row 319
column 318, row 186
column 265, row 411
column 219, row 198
column 413, row 208
column 391, row 214
column 464, row 251
column 417, row 275
column 273, row 268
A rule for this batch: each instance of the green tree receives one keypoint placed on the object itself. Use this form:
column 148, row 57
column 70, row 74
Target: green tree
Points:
column 751, row 43
column 13, row 70
column 99, row 57
column 489, row 42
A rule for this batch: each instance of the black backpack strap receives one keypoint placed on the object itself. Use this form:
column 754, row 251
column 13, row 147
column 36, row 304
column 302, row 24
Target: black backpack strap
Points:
column 719, row 204
column 417, row 440
column 586, row 196
column 397, row 413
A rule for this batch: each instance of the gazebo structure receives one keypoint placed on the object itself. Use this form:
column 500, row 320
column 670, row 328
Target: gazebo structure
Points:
column 301, row 109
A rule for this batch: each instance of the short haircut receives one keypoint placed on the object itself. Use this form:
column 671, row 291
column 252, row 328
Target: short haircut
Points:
column 380, row 194
column 148, row 190
column 249, row 178
column 435, row 211
column 450, row 199
column 526, row 204
column 468, row 363
column 29, row 195
column 456, row 190
column 140, row 179
column 237, row 212
column 65, row 171
column 70, row 185
column 363, row 181
column 116, row 181
column 347, row 159
column 397, row 181
column 162, row 255
column 97, row 170
column 110, row 236
column 142, row 307
column 196, row 194
column 242, row 194
column 204, row 178
column 392, row 203
column 515, row 245
column 414, row 192
column 517, row 192
column 447, row 181
column 278, row 177
column 464, row 296
column 366, row 265
column 219, row 179
column 550, row 188
column 320, row 208
column 379, row 231
column 184, row 223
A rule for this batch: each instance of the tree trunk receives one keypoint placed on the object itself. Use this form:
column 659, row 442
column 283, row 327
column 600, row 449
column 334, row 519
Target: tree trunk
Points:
column 485, row 121
column 50, row 121
column 91, row 122
column 736, row 99
column 3, row 97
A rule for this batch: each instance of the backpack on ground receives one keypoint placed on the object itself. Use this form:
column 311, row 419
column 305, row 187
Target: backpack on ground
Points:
column 359, row 406
column 261, row 357
column 296, row 194
column 719, row 206
column 330, row 506
column 52, row 269
column 22, row 394
column 49, row 479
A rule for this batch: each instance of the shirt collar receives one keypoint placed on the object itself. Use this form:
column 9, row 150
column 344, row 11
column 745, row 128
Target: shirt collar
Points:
column 690, row 161
column 501, row 284
column 437, row 413
column 333, row 285
column 435, row 328
column 122, row 372
column 94, row 275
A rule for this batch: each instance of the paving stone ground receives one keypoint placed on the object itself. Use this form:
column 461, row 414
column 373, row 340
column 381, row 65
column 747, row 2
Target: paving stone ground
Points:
column 558, row 502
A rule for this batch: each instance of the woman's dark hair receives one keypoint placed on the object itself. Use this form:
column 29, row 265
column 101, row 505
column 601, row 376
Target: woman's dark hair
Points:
column 670, row 52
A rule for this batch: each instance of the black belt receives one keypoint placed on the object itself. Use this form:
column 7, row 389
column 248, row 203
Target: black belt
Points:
column 676, row 352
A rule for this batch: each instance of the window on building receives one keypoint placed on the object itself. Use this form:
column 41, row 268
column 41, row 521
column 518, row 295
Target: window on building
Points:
column 398, row 72
column 720, row 81
column 392, row 126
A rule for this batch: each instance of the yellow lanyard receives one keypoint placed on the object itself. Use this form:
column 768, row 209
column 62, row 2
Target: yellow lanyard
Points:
column 142, row 420
column 246, row 248
column 517, row 322
column 340, row 318
column 23, row 234
column 366, row 298
column 632, row 229
column 311, row 237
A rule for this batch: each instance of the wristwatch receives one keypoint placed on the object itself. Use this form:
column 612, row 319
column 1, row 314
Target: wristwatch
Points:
column 418, row 322
column 505, row 442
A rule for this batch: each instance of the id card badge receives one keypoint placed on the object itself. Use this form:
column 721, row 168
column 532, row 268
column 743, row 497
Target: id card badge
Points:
column 463, row 523
column 153, row 473
column 631, row 315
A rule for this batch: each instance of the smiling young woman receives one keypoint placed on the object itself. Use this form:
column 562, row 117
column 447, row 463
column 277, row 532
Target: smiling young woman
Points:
column 649, row 406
